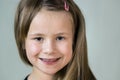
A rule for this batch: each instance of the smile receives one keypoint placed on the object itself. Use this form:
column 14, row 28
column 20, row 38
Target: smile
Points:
column 49, row 61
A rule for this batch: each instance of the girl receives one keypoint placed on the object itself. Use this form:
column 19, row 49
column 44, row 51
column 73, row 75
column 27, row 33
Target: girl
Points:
column 50, row 35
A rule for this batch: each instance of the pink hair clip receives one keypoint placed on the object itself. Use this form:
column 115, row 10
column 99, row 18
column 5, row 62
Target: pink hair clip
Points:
column 66, row 6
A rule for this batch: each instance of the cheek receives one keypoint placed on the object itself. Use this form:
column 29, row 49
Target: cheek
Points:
column 32, row 49
column 66, row 49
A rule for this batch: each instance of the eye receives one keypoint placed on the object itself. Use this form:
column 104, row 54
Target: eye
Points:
column 38, row 38
column 59, row 38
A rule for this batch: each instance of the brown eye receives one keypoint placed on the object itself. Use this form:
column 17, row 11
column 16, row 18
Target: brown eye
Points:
column 59, row 38
column 39, row 38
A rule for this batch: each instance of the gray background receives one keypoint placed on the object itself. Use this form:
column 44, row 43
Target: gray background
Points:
column 103, row 36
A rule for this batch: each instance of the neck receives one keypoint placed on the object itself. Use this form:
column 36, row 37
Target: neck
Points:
column 39, row 75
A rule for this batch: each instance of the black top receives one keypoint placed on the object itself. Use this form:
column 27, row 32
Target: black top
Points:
column 26, row 78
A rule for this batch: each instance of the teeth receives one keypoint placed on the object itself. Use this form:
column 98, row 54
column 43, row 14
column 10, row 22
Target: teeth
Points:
column 49, row 60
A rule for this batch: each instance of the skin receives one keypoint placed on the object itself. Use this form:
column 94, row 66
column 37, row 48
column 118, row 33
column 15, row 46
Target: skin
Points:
column 49, row 43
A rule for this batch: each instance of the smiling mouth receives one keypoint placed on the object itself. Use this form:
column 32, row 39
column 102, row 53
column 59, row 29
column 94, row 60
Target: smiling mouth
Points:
column 49, row 61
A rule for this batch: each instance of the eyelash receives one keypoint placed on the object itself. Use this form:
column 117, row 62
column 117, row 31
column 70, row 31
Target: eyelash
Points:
column 59, row 38
column 39, row 38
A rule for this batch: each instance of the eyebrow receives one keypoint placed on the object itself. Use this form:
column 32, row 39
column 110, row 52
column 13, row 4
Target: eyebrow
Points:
column 63, row 33
column 35, row 34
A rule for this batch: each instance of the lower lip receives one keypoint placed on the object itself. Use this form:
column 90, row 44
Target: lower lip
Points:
column 50, row 61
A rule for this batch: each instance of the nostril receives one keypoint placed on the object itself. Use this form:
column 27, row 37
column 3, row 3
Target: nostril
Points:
column 48, row 50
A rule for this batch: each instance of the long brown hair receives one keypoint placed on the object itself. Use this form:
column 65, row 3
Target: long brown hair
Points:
column 77, row 68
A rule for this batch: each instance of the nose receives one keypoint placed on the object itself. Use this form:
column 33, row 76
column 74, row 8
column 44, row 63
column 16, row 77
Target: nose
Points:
column 48, row 47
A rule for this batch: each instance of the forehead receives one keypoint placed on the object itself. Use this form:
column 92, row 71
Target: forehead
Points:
column 51, row 20
column 44, row 13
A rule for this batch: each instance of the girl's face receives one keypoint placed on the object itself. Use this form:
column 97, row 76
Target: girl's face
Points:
column 49, row 41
